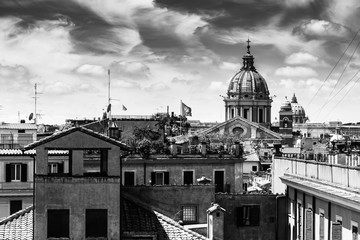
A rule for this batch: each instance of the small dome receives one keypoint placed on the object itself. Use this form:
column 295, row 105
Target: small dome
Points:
column 285, row 105
column 297, row 109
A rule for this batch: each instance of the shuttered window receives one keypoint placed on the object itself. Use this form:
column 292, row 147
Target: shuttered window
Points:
column 16, row 172
column 160, row 178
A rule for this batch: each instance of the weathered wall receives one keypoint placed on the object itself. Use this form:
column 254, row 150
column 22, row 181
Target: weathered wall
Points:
column 175, row 167
column 77, row 195
column 267, row 228
column 169, row 199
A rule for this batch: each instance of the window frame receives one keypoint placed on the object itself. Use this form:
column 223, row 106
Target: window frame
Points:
column 354, row 224
column 193, row 218
column 11, row 206
column 123, row 176
column 165, row 177
column 183, row 176
column 96, row 213
column 246, row 215
column 65, row 228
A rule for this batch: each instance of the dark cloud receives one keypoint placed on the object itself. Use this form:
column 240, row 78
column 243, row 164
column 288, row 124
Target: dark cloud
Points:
column 246, row 14
column 88, row 28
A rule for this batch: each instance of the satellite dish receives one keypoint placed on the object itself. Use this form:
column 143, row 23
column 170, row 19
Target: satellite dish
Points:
column 31, row 116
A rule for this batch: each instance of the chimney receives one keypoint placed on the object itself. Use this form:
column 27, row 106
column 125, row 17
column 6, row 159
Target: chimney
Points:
column 215, row 222
column 114, row 132
column 173, row 148
column 203, row 148
column 22, row 121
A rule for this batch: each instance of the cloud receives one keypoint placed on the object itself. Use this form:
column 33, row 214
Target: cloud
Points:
column 15, row 77
column 217, row 86
column 305, row 58
column 187, row 78
column 321, row 29
column 229, row 66
column 134, row 70
column 295, row 72
column 125, row 84
column 159, row 86
column 90, row 69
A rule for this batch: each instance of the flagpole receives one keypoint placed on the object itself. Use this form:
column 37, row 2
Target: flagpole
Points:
column 109, row 98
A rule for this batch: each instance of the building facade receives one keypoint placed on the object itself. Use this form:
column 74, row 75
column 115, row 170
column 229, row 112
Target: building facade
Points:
column 323, row 199
column 77, row 204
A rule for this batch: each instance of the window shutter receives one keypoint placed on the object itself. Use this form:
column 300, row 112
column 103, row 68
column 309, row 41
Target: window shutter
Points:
column 24, row 172
column 166, row 178
column 239, row 216
column 309, row 224
column 8, row 172
column 61, row 168
column 152, row 178
column 255, row 216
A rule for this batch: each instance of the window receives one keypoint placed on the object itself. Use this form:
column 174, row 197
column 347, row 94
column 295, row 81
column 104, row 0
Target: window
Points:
column 95, row 162
column 58, row 223
column 188, row 177
column 56, row 168
column 254, row 168
column 248, row 215
column 160, row 178
column 16, row 172
column 299, row 220
column 354, row 230
column 129, row 178
column 96, row 223
column 24, row 139
column 15, row 206
column 322, row 225
column 189, row 214
column 246, row 111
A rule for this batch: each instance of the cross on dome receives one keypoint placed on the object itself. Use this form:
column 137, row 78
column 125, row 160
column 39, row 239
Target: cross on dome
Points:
column 248, row 46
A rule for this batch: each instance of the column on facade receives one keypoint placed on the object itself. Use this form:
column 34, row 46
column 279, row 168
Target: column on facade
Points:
column 255, row 114
column 241, row 111
column 250, row 113
column 226, row 112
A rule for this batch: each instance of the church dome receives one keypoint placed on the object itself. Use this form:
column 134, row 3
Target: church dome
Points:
column 297, row 109
column 285, row 105
column 248, row 83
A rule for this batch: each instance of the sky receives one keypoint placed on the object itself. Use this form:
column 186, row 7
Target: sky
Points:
column 164, row 51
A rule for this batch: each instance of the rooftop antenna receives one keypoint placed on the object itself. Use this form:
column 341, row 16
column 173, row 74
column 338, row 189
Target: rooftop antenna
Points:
column 36, row 115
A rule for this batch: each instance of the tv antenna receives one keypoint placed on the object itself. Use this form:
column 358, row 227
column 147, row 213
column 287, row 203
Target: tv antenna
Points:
column 35, row 115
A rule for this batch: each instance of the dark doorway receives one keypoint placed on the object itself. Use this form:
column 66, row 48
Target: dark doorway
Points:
column 219, row 180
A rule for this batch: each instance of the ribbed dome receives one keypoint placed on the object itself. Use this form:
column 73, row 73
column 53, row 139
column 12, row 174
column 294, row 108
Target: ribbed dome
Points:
column 285, row 105
column 297, row 109
column 248, row 83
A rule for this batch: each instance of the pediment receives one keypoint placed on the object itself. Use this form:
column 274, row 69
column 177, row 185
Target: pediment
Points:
column 243, row 128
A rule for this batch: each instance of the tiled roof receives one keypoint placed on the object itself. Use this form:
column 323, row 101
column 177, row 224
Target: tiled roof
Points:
column 136, row 218
column 60, row 134
column 18, row 225
column 26, row 126
column 175, row 230
column 30, row 152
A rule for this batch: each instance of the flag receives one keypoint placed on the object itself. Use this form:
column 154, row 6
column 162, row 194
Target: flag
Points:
column 185, row 110
column 124, row 108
